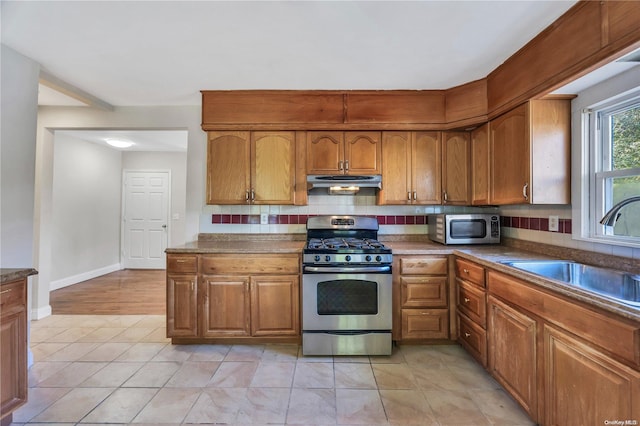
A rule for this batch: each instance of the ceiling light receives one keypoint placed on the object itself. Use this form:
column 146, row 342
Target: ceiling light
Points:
column 119, row 143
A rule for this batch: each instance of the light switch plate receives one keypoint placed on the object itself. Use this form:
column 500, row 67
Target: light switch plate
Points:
column 553, row 223
column 264, row 218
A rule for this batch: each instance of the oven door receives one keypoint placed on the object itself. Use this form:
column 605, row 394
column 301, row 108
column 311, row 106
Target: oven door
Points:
column 346, row 298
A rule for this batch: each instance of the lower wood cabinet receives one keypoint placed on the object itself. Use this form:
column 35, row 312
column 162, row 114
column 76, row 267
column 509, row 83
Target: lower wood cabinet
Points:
column 471, row 303
column 233, row 296
column 13, row 347
column 565, row 362
column 182, row 305
column 512, row 357
column 421, row 305
column 584, row 386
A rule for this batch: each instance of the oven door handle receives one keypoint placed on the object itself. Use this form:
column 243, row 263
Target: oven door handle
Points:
column 384, row 269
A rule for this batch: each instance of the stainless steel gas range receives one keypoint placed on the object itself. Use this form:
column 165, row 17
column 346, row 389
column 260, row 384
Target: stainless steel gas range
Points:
column 346, row 288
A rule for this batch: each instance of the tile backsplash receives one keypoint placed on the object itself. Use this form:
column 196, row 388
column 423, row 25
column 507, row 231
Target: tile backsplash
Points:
column 529, row 223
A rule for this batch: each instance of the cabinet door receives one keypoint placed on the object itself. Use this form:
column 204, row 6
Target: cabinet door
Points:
column 228, row 168
column 225, row 306
column 509, row 139
column 325, row 153
column 396, row 169
column 480, row 165
column 512, row 353
column 273, row 167
column 585, row 387
column 456, row 163
column 426, row 160
column 182, row 305
column 363, row 153
column 275, row 305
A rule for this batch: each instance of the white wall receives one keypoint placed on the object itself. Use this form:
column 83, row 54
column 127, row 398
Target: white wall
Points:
column 86, row 206
column 19, row 100
column 176, row 162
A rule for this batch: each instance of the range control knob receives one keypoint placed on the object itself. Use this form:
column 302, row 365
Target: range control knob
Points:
column 368, row 258
column 347, row 258
column 378, row 258
column 317, row 258
column 327, row 258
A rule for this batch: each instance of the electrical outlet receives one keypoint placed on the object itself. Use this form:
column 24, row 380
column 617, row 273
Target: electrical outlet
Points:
column 264, row 218
column 554, row 223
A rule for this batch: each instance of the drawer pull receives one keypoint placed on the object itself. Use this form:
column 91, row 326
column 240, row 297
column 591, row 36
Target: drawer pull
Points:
column 466, row 271
column 467, row 335
column 6, row 291
column 467, row 300
column 181, row 261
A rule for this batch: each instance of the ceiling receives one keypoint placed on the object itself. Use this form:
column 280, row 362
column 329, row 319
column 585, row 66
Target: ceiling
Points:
column 135, row 53
column 143, row 140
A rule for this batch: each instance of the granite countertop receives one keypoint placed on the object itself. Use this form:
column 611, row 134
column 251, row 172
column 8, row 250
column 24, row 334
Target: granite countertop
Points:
column 489, row 256
column 239, row 246
column 8, row 275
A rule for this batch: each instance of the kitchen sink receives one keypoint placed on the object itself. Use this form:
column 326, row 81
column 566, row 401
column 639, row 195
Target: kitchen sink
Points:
column 621, row 286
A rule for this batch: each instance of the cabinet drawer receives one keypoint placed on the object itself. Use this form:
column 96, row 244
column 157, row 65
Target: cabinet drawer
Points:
column 13, row 296
column 472, row 302
column 424, row 292
column 473, row 338
column 423, row 266
column 182, row 263
column 425, row 323
column 250, row 264
column 470, row 271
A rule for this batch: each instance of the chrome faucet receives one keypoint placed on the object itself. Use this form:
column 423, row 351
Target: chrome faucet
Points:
column 612, row 215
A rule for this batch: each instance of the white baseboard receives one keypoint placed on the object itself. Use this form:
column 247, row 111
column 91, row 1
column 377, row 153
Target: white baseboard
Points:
column 65, row 282
column 43, row 312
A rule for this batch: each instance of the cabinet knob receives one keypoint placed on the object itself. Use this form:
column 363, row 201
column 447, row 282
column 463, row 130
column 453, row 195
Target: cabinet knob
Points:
column 525, row 194
column 467, row 334
column 466, row 271
column 467, row 300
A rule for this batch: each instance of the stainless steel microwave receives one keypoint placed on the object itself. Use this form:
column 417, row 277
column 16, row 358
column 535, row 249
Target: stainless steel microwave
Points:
column 474, row 228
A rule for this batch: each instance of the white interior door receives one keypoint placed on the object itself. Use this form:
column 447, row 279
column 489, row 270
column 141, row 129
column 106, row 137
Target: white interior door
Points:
column 145, row 219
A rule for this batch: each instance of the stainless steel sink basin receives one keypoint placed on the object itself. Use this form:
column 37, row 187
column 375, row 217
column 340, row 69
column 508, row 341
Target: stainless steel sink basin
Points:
column 617, row 285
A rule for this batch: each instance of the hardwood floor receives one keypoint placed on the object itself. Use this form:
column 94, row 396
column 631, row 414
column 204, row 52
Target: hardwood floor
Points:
column 125, row 292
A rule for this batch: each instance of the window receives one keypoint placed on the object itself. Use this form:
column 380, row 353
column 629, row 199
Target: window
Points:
column 615, row 168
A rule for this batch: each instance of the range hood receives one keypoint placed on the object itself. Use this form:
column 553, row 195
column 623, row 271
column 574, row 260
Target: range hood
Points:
column 343, row 184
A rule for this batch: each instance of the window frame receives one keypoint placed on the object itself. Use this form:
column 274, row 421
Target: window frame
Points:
column 596, row 151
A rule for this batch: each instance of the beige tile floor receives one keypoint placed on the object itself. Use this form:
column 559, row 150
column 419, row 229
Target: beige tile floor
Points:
column 117, row 370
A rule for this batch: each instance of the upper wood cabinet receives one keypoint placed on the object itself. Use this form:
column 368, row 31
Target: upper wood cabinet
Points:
column 456, row 163
column 251, row 168
column 351, row 153
column 530, row 154
column 480, row 165
column 411, row 169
